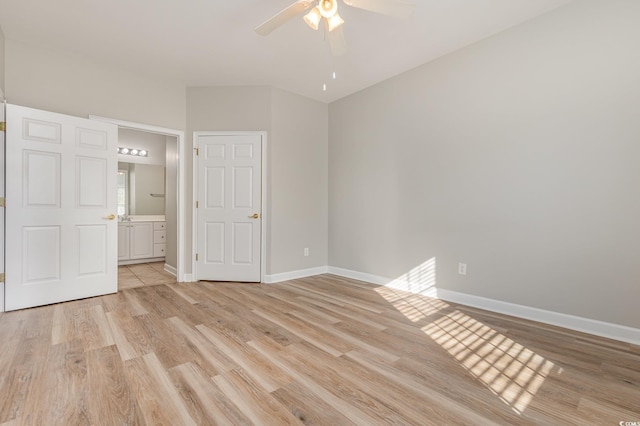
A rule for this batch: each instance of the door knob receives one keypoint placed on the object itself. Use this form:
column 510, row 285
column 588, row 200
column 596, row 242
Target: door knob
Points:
column 254, row 216
column 110, row 217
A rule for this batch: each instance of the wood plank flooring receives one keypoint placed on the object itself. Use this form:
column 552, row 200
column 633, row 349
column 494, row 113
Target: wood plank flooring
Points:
column 319, row 351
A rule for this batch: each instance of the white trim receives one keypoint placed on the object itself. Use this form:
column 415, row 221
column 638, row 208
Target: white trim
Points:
column 188, row 278
column 585, row 325
column 362, row 276
column 170, row 270
column 182, row 189
column 292, row 275
column 264, row 213
column 3, row 242
column 140, row 261
column 194, row 211
column 377, row 279
column 263, row 189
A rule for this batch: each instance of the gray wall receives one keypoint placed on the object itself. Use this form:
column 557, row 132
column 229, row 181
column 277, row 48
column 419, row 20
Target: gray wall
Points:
column 297, row 164
column 171, row 200
column 298, row 186
column 2, row 65
column 54, row 81
column 517, row 155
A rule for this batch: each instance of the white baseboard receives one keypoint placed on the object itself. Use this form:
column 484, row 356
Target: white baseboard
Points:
column 1, row 297
column 171, row 270
column 187, row 278
column 292, row 275
column 585, row 325
column 138, row 261
column 387, row 282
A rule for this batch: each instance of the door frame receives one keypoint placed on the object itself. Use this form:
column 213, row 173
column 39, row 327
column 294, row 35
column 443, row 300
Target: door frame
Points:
column 263, row 196
column 181, row 276
column 3, row 109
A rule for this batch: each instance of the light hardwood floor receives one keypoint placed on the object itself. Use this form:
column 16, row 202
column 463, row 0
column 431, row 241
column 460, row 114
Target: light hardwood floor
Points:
column 322, row 350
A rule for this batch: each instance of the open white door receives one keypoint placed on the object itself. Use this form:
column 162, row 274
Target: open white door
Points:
column 228, row 213
column 61, row 228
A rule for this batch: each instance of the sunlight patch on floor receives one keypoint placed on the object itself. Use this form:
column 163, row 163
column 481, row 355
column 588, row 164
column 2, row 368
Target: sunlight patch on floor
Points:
column 510, row 370
column 412, row 307
column 419, row 280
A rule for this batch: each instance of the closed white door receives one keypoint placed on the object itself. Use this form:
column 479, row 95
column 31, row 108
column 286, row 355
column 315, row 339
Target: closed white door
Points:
column 61, row 228
column 229, row 217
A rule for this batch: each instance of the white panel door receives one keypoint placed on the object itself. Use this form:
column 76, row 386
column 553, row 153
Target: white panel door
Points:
column 229, row 223
column 61, row 202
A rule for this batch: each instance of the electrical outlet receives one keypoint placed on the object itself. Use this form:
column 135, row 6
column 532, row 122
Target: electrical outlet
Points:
column 462, row 268
column 306, row 251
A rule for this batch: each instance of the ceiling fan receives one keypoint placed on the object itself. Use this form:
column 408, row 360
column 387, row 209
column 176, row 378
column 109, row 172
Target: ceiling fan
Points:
column 326, row 12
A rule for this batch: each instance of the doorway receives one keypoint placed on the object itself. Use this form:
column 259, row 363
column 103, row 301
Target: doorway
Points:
column 168, row 235
column 143, row 275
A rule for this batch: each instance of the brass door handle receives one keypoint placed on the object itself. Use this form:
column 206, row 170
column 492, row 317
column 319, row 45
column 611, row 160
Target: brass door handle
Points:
column 254, row 216
column 110, row 217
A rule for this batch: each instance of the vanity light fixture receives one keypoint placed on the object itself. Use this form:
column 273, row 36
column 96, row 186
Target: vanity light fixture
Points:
column 133, row 151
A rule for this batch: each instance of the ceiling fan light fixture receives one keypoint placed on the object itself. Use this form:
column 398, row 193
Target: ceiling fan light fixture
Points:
column 334, row 22
column 328, row 8
column 313, row 18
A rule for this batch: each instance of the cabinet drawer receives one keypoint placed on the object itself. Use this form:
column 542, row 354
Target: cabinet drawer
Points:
column 159, row 237
column 159, row 225
column 158, row 250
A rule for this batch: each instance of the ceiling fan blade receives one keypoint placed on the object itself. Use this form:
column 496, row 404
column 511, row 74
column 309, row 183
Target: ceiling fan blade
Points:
column 395, row 8
column 337, row 42
column 283, row 16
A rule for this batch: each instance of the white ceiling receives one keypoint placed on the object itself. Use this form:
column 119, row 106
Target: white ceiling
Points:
column 212, row 42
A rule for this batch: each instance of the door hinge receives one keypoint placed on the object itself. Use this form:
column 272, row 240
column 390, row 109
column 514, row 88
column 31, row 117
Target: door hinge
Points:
column 197, row 151
column 196, row 259
column 3, row 202
column 2, row 277
column 197, row 204
column 3, row 126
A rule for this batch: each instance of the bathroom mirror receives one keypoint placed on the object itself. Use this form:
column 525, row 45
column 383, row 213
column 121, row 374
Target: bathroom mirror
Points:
column 141, row 189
